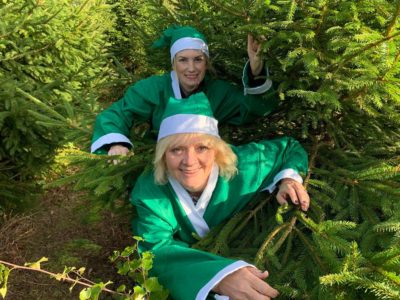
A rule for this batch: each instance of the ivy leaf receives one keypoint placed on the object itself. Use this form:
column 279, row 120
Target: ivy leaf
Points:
column 152, row 285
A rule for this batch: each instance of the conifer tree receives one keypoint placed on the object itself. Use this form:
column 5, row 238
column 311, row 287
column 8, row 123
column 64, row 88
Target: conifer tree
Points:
column 336, row 67
column 52, row 64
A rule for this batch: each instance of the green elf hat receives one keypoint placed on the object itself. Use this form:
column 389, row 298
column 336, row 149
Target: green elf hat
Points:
column 180, row 38
column 190, row 115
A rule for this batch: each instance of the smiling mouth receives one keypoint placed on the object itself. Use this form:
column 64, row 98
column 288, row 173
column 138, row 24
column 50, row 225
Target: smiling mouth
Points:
column 192, row 76
column 190, row 172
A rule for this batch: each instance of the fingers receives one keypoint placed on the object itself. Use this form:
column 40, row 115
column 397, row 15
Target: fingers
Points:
column 294, row 190
column 118, row 150
column 280, row 198
column 246, row 284
column 261, row 286
column 258, row 273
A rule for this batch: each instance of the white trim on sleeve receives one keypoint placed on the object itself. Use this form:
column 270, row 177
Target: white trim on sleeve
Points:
column 109, row 138
column 286, row 173
column 258, row 89
column 203, row 293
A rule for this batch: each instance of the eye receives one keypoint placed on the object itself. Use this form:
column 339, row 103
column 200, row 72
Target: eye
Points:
column 202, row 148
column 182, row 59
column 176, row 150
column 199, row 59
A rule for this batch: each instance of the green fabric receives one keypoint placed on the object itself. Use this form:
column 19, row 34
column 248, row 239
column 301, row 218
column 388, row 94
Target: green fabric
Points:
column 174, row 33
column 168, row 232
column 196, row 104
column 146, row 101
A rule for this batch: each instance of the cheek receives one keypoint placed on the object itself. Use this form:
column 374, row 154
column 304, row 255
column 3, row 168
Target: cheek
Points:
column 170, row 162
column 209, row 160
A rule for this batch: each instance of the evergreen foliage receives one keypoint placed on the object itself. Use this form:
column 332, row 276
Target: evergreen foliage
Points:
column 52, row 63
column 336, row 68
column 336, row 65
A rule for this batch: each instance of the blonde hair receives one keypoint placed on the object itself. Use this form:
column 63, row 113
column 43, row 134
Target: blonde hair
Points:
column 224, row 156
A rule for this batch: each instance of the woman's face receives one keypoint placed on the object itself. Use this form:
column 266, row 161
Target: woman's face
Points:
column 190, row 66
column 190, row 162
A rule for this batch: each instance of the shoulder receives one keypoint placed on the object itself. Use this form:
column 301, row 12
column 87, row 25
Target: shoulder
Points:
column 146, row 189
column 153, row 81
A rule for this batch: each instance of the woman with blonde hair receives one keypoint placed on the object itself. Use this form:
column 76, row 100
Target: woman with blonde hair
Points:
column 198, row 182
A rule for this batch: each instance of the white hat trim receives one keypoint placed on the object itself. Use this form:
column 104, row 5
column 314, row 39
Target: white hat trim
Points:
column 188, row 123
column 188, row 43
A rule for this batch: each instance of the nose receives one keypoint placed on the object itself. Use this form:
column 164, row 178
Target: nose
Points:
column 190, row 157
column 191, row 65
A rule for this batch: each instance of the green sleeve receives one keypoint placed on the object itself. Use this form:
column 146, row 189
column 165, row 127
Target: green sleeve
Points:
column 138, row 104
column 284, row 158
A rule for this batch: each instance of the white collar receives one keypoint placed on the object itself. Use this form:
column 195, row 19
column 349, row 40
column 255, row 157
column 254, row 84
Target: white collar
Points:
column 195, row 212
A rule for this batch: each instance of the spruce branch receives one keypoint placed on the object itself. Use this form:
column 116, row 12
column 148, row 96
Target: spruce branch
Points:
column 394, row 19
column 229, row 10
column 262, row 250
column 349, row 57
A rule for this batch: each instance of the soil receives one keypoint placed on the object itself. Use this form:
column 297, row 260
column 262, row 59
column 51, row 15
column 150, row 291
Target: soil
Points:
column 62, row 229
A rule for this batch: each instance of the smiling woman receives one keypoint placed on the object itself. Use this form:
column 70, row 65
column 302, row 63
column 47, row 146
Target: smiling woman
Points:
column 199, row 181
column 146, row 99
column 190, row 67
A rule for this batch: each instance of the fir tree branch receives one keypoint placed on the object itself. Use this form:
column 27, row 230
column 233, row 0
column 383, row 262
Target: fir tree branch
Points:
column 347, row 58
column 394, row 19
column 282, row 239
column 250, row 215
column 64, row 277
column 392, row 277
column 311, row 163
column 35, row 51
column 268, row 240
column 313, row 250
column 228, row 10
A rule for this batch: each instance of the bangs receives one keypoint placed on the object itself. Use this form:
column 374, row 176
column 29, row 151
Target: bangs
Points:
column 183, row 138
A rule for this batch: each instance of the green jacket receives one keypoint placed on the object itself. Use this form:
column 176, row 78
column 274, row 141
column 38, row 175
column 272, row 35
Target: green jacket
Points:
column 146, row 99
column 167, row 221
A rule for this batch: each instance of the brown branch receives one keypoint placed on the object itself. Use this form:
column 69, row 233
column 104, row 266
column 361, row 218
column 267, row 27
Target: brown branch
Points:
column 394, row 19
column 367, row 47
column 311, row 163
column 54, row 275
column 288, row 230
column 269, row 239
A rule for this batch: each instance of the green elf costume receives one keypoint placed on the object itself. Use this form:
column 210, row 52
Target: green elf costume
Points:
column 168, row 218
column 146, row 99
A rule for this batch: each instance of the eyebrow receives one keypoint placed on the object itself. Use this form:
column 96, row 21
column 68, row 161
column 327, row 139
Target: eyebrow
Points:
column 197, row 56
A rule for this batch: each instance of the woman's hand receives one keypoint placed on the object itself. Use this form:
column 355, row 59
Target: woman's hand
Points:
column 118, row 150
column 293, row 190
column 253, row 51
column 246, row 284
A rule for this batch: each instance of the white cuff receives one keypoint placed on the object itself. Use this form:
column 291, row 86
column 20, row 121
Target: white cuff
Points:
column 203, row 293
column 286, row 173
column 258, row 89
column 109, row 139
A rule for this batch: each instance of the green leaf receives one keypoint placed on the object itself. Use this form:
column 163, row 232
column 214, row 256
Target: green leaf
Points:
column 152, row 285
column 85, row 294
column 139, row 293
column 36, row 265
column 4, row 273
